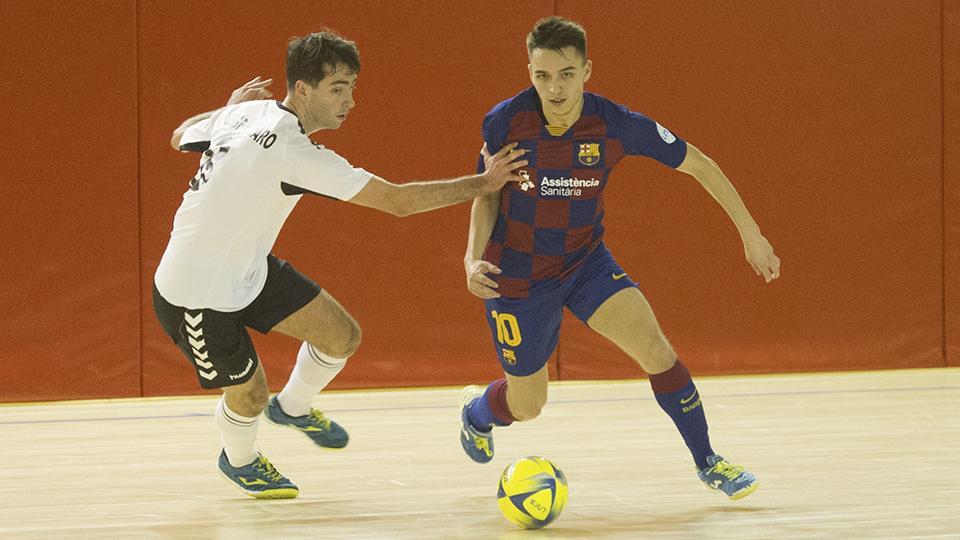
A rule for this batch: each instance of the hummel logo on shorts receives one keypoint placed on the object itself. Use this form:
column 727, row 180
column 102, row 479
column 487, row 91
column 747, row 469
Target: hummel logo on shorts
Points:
column 244, row 372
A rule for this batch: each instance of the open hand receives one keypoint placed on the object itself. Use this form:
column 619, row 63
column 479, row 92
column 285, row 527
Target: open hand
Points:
column 499, row 167
column 761, row 257
column 478, row 283
column 251, row 90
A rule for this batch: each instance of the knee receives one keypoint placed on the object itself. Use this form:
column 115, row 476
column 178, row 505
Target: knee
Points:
column 526, row 411
column 356, row 336
column 259, row 395
column 346, row 342
column 250, row 398
column 654, row 353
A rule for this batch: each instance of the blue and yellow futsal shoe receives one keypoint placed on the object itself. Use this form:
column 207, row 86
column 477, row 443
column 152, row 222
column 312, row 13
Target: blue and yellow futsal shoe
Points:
column 477, row 444
column 324, row 432
column 259, row 479
column 730, row 479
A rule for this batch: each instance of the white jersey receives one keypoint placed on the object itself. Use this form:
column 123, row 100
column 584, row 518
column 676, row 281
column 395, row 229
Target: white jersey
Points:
column 257, row 162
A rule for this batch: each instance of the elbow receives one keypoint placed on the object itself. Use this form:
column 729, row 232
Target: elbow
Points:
column 401, row 209
column 405, row 202
column 711, row 164
column 704, row 163
column 706, row 171
column 175, row 140
column 394, row 205
column 398, row 200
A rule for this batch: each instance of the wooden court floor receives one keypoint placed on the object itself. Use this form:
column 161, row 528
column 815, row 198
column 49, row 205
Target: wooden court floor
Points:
column 846, row 455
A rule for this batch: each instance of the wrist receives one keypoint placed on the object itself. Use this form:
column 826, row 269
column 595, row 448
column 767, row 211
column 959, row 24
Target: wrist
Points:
column 749, row 232
column 480, row 185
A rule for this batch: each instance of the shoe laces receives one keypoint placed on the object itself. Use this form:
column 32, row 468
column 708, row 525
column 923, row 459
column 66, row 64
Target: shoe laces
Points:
column 320, row 419
column 263, row 465
column 727, row 469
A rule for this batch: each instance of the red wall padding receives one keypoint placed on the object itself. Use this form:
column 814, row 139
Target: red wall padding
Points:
column 951, row 177
column 827, row 117
column 68, row 201
column 828, row 126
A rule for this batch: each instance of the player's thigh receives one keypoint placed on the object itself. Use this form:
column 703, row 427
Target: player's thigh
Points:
column 525, row 332
column 527, row 394
column 627, row 319
column 325, row 324
column 215, row 343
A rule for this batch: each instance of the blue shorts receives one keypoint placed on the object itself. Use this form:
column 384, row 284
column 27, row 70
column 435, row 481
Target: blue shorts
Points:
column 526, row 330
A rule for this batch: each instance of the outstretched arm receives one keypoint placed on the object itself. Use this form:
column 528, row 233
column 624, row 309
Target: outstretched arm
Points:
column 251, row 90
column 415, row 197
column 758, row 251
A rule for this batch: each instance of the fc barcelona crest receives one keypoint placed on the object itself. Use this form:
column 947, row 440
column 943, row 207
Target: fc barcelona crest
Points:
column 589, row 153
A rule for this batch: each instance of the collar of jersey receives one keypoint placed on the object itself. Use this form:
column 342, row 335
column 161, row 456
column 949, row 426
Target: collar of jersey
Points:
column 543, row 118
column 280, row 104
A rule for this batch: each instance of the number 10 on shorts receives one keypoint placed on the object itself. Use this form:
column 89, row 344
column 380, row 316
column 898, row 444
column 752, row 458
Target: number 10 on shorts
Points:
column 508, row 329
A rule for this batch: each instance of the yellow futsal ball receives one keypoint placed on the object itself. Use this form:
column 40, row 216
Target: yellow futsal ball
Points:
column 533, row 492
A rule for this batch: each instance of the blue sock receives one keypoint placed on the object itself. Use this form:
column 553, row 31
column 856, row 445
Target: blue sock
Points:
column 481, row 413
column 679, row 398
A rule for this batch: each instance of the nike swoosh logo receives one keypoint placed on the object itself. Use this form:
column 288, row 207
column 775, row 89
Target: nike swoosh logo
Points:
column 685, row 401
column 254, row 482
column 618, row 276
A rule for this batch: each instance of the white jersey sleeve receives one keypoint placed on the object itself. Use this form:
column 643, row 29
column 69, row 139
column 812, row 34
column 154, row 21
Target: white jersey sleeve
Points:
column 317, row 169
column 196, row 138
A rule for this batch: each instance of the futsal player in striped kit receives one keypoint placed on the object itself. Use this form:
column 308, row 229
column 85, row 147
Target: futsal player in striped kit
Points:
column 537, row 247
column 218, row 275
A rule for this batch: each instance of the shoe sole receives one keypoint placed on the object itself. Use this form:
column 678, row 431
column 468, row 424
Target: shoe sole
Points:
column 330, row 448
column 738, row 495
column 745, row 491
column 280, row 493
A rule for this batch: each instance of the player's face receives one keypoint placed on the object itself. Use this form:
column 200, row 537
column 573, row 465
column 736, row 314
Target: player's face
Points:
column 328, row 104
column 559, row 77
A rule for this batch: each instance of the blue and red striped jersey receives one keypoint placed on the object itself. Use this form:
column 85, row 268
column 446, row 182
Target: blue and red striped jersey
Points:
column 548, row 226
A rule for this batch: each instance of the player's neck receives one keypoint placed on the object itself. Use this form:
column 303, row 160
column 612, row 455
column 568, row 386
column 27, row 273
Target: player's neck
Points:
column 566, row 119
column 301, row 113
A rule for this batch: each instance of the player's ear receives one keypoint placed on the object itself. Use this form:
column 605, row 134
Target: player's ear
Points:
column 587, row 70
column 530, row 71
column 300, row 90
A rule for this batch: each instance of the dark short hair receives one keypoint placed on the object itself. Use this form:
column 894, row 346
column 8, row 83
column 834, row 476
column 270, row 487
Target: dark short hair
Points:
column 556, row 33
column 310, row 58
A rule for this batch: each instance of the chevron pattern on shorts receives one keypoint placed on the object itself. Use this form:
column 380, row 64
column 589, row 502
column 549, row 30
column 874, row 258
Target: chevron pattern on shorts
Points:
column 197, row 343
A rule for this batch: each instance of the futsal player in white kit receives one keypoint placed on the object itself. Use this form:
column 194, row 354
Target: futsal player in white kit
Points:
column 217, row 275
